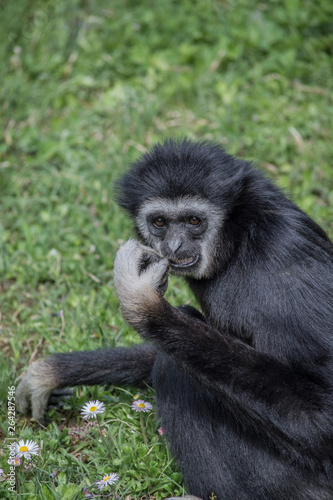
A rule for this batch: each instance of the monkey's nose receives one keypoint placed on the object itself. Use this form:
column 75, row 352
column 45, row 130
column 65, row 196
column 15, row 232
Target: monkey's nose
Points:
column 174, row 244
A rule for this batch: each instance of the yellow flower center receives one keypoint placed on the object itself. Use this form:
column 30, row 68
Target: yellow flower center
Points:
column 24, row 448
column 141, row 405
column 106, row 478
column 93, row 408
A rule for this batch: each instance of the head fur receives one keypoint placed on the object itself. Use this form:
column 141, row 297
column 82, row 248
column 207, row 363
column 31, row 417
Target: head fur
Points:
column 179, row 168
column 186, row 170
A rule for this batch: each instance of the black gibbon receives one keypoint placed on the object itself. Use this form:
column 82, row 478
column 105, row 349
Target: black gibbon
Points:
column 245, row 388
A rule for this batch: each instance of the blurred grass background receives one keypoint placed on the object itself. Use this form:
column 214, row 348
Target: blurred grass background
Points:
column 86, row 86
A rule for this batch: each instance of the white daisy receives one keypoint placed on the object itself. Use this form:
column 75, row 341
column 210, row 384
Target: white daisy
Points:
column 14, row 461
column 141, row 405
column 92, row 409
column 107, row 481
column 26, row 449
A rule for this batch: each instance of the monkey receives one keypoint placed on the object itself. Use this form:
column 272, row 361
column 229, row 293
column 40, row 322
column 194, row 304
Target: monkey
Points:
column 244, row 387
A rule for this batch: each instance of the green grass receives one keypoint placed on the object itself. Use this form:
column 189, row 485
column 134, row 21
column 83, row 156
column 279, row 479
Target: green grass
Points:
column 85, row 88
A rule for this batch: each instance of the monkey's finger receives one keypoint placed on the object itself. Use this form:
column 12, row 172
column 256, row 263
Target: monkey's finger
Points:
column 159, row 273
column 163, row 286
column 62, row 392
column 126, row 261
column 59, row 396
column 28, row 396
column 23, row 395
column 147, row 259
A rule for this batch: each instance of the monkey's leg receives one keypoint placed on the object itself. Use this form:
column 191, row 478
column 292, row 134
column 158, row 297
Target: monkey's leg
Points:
column 120, row 366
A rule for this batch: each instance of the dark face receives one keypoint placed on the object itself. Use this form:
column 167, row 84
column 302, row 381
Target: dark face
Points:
column 183, row 231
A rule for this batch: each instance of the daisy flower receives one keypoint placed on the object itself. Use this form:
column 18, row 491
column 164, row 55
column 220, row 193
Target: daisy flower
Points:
column 141, row 405
column 107, row 481
column 1, row 472
column 92, row 409
column 26, row 449
column 161, row 431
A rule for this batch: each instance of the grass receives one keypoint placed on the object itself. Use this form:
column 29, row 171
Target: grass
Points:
column 85, row 88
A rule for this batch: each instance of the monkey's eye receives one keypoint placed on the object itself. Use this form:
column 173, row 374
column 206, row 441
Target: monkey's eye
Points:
column 193, row 220
column 159, row 222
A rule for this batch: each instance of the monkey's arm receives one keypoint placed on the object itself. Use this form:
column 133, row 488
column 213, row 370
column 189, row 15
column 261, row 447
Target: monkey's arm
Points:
column 291, row 409
column 120, row 366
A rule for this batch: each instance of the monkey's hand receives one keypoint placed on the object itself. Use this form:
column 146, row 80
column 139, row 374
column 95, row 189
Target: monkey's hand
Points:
column 141, row 280
column 35, row 389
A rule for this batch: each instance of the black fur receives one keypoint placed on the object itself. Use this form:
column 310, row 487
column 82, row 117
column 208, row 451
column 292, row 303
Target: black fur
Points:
column 247, row 396
column 119, row 366
column 246, row 393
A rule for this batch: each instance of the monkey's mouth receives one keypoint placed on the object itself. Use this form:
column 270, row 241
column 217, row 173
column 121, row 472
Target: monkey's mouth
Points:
column 184, row 262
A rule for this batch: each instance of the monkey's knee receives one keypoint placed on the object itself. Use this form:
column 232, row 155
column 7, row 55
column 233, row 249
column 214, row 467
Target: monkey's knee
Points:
column 35, row 388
